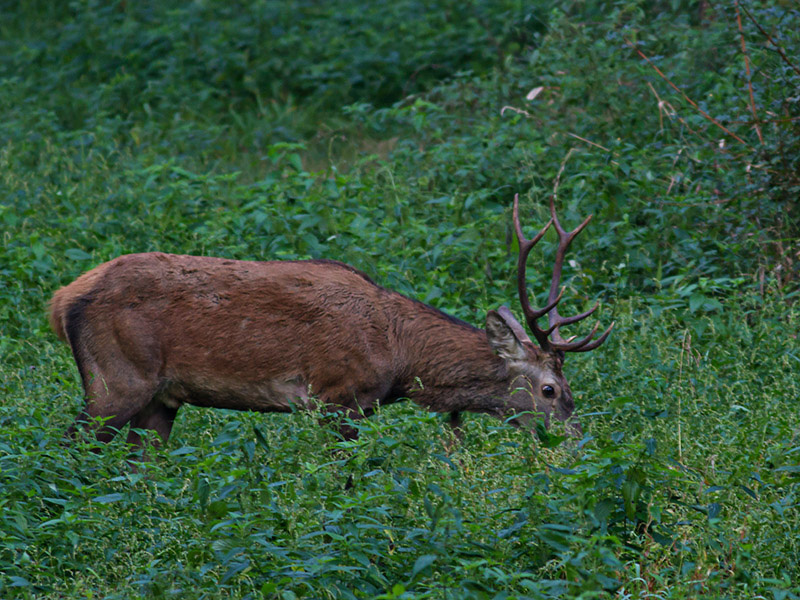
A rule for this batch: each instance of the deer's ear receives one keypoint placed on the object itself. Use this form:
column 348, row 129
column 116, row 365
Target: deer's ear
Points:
column 506, row 335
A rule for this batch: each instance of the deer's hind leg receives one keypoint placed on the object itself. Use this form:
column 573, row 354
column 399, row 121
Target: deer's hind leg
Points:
column 111, row 400
column 158, row 416
column 120, row 377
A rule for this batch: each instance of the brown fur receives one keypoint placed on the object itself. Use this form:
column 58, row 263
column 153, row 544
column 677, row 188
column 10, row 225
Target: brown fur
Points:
column 150, row 332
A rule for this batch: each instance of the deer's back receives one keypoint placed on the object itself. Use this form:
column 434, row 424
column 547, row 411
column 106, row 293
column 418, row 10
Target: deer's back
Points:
column 200, row 319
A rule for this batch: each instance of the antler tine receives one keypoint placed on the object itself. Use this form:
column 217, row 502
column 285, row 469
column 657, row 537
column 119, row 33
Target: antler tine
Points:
column 550, row 338
column 525, row 245
column 564, row 240
column 584, row 345
column 555, row 320
column 572, row 319
column 566, row 346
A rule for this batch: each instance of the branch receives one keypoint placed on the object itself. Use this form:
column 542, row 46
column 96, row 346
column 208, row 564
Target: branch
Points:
column 771, row 41
column 666, row 107
column 685, row 97
column 560, row 171
column 591, row 143
column 747, row 70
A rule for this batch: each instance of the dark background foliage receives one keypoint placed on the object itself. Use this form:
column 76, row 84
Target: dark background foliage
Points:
column 393, row 136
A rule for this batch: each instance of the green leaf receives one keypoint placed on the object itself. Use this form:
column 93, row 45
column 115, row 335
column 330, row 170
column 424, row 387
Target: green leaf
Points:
column 696, row 301
column 789, row 469
column 261, row 437
column 296, row 162
column 108, row 498
column 203, row 492
column 422, row 563
column 17, row 581
column 182, row 451
column 218, row 509
column 603, row 510
column 547, row 439
column 77, row 254
column 630, row 494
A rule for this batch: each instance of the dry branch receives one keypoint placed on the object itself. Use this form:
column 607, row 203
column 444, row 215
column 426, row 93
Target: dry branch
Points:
column 685, row 97
column 771, row 41
column 747, row 70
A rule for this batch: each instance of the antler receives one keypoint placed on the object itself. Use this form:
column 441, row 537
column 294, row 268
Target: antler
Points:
column 555, row 321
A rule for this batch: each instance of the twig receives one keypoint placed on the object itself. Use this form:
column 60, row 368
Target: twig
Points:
column 560, row 171
column 696, row 204
column 666, row 107
column 591, row 143
column 661, row 108
column 747, row 70
column 771, row 41
column 687, row 343
column 519, row 111
column 685, row 97
column 768, row 121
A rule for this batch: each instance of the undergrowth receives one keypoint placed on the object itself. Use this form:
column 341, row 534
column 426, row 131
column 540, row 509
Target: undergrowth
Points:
column 393, row 136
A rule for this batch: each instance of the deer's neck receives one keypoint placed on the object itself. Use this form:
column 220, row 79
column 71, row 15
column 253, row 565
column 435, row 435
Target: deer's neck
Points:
column 447, row 365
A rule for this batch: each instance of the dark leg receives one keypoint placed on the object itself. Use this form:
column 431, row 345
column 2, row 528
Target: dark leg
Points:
column 115, row 399
column 347, row 431
column 454, row 421
column 455, row 425
column 112, row 421
column 157, row 417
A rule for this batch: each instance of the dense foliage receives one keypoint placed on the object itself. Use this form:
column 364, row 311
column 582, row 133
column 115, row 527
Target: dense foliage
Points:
column 393, row 136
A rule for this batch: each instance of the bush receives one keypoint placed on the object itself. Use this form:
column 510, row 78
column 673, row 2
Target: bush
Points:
column 187, row 127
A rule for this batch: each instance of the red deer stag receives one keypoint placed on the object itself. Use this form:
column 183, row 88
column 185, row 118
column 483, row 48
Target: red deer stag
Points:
column 151, row 332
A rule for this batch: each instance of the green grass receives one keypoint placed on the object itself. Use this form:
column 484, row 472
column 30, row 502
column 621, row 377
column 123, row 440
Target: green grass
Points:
column 185, row 128
column 685, row 483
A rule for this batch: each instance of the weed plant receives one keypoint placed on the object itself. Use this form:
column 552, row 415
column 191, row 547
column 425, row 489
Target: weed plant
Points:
column 393, row 136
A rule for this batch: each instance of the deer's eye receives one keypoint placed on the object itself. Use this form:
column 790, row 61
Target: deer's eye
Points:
column 548, row 391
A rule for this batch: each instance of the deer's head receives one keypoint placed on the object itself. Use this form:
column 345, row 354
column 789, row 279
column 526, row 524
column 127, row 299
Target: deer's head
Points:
column 535, row 372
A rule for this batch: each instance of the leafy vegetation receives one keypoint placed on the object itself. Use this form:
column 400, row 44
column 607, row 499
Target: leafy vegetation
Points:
column 393, row 136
